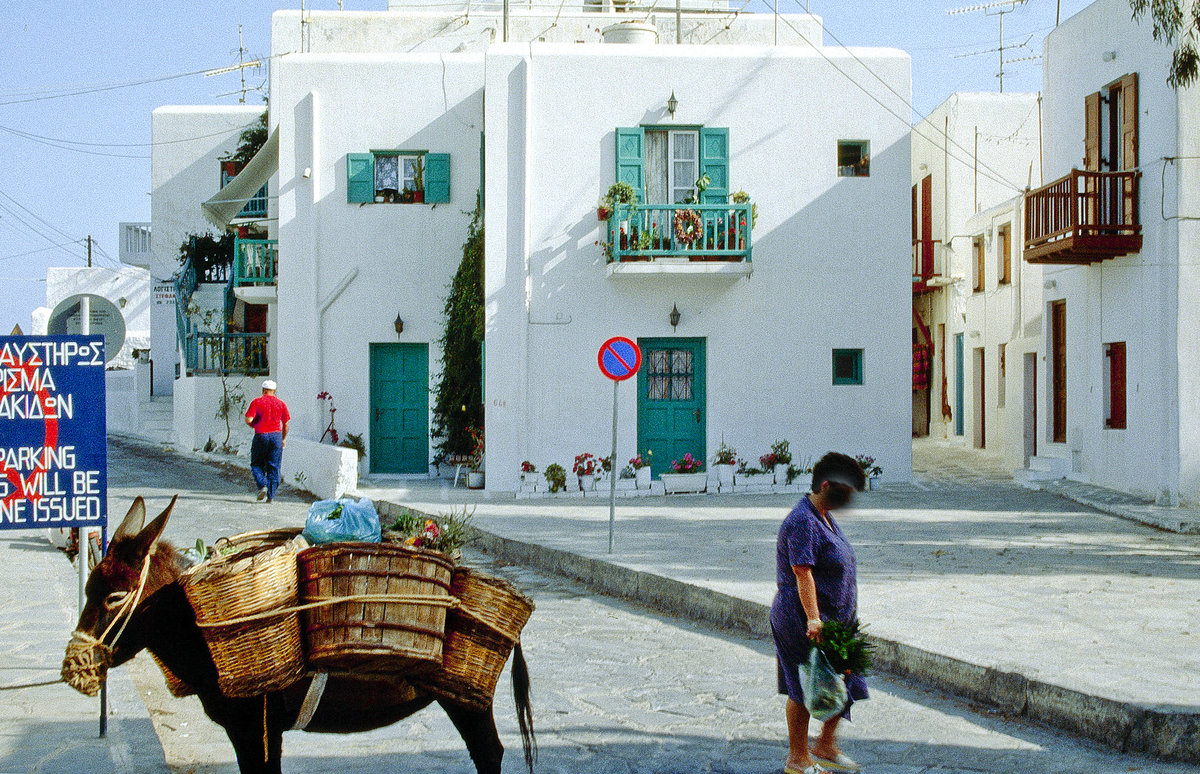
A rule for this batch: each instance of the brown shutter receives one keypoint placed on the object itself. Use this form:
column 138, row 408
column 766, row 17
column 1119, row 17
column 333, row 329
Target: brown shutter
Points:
column 1091, row 132
column 1116, row 385
column 1129, row 120
column 1058, row 373
column 914, row 215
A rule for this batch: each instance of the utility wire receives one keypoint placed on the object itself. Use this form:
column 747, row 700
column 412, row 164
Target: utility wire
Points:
column 40, row 250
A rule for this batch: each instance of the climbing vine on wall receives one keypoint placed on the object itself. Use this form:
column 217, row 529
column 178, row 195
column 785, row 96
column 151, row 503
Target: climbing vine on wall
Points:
column 458, row 406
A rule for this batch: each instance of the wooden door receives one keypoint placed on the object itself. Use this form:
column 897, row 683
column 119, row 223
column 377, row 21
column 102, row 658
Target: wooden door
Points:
column 671, row 402
column 399, row 408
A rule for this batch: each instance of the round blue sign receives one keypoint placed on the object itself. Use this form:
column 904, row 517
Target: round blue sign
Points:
column 619, row 358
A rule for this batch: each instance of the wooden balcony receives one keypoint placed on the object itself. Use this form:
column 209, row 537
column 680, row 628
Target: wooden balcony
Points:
column 926, row 274
column 1083, row 218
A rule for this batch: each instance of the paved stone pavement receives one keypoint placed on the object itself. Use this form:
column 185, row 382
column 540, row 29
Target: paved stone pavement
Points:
column 985, row 571
column 618, row 689
column 54, row 729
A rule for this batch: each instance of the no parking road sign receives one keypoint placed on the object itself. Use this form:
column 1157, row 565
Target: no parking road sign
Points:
column 619, row 358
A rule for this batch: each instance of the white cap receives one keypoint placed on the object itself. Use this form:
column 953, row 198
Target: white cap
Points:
column 269, row 384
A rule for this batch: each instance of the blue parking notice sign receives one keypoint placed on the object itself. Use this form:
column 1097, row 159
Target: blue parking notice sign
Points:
column 619, row 358
column 53, row 444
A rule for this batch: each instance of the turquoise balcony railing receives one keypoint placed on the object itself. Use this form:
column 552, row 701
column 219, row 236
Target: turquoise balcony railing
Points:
column 230, row 353
column 257, row 206
column 696, row 232
column 255, row 262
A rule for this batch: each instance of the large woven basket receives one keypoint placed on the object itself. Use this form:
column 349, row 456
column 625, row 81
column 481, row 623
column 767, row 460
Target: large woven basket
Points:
column 258, row 656
column 480, row 635
column 382, row 607
column 266, row 538
column 177, row 687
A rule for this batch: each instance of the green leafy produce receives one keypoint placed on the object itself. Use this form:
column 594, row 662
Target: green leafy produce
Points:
column 448, row 533
column 846, row 647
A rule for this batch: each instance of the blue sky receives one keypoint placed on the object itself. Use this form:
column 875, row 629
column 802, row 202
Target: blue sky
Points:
column 63, row 194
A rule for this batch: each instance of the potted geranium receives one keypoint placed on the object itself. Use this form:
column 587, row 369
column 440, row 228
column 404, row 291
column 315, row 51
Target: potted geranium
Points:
column 641, row 470
column 530, row 476
column 687, row 476
column 782, row 454
column 724, row 462
column 585, row 471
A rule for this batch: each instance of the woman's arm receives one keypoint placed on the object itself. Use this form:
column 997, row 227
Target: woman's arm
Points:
column 807, row 588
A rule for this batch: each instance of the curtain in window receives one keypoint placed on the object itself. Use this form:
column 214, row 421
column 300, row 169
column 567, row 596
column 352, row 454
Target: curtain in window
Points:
column 656, row 168
column 387, row 173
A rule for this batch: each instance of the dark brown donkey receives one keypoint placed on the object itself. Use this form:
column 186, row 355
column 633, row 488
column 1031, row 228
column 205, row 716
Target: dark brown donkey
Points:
column 162, row 621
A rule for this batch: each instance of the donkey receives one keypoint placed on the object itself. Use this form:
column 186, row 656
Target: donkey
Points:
column 134, row 592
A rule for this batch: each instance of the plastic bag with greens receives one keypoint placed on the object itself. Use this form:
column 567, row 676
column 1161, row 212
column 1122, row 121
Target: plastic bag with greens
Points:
column 825, row 694
column 340, row 521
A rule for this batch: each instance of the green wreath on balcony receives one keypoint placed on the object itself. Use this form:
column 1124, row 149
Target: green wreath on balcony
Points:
column 688, row 227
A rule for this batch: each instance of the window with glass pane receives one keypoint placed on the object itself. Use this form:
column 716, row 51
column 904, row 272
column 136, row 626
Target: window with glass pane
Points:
column 847, row 366
column 685, row 165
column 672, row 164
column 672, row 374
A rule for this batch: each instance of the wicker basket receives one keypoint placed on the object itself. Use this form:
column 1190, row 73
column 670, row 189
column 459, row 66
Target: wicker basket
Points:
column 177, row 687
column 480, row 635
column 267, row 538
column 399, row 628
column 259, row 656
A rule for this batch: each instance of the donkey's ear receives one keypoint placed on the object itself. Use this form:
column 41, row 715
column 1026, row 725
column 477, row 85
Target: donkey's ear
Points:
column 148, row 537
column 132, row 524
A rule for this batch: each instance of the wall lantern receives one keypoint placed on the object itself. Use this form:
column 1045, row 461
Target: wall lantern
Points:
column 674, row 316
column 399, row 325
column 672, row 104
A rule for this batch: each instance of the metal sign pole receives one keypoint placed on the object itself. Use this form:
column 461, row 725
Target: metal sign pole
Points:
column 612, row 475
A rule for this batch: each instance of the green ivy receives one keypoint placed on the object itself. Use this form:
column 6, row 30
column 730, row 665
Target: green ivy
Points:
column 459, row 402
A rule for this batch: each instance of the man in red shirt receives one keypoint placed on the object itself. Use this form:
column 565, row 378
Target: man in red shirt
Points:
column 269, row 417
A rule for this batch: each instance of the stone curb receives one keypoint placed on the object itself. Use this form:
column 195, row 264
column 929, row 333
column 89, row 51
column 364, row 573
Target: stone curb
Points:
column 1167, row 732
column 1180, row 520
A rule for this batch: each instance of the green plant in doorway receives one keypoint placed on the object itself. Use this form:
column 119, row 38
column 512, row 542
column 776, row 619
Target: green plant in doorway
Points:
column 355, row 441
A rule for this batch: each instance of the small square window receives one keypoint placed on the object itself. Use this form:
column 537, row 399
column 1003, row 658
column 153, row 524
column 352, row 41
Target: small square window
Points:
column 399, row 177
column 847, row 366
column 854, row 158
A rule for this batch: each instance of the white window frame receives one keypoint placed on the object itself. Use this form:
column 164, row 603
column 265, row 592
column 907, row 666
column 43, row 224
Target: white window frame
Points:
column 673, row 185
column 403, row 179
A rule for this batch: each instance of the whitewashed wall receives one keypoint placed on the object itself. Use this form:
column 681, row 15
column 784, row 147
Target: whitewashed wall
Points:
column 1136, row 298
column 966, row 182
column 184, row 172
column 825, row 248
column 347, row 270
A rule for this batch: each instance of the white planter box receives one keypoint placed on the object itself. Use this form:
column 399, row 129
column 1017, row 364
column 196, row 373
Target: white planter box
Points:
column 681, row 483
column 758, row 479
column 781, row 474
column 724, row 474
column 536, row 481
column 643, row 477
column 475, row 479
column 804, row 481
column 587, row 483
column 626, row 484
column 873, row 482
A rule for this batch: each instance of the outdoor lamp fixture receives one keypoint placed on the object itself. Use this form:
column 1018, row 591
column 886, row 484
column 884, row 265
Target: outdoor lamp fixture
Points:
column 672, row 104
column 674, row 316
column 399, row 325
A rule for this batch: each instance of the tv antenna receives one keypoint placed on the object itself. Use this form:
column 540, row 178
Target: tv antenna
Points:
column 999, row 8
column 241, row 67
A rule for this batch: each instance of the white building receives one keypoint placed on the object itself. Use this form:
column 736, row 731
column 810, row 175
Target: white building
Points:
column 1119, row 367
column 766, row 345
column 970, row 157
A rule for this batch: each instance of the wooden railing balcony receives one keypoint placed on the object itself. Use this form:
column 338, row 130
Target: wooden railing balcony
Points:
column 1083, row 218
column 925, row 269
column 708, row 232
column 255, row 262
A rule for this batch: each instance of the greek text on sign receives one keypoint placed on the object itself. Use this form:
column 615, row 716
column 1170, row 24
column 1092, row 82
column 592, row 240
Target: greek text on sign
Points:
column 53, row 456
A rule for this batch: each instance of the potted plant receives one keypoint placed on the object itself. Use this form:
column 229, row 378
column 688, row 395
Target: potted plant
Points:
column 406, row 196
column 530, row 476
column 783, row 458
column 603, row 210
column 628, row 479
column 585, row 470
column 556, row 477
column 618, row 193
column 724, row 461
column 748, row 476
column 687, row 476
column 419, row 182
column 641, row 471
column 872, row 471
column 475, row 466
column 355, row 441
column 801, row 474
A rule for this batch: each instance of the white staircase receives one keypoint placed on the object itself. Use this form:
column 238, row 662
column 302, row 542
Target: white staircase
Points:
column 156, row 418
column 1042, row 469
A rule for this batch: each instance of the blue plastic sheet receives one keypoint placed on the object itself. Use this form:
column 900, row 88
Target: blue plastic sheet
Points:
column 340, row 521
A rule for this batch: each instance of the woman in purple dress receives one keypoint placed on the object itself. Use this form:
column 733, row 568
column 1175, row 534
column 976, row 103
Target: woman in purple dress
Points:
column 815, row 573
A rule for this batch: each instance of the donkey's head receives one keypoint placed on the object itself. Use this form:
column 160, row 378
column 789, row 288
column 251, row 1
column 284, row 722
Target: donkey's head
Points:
column 132, row 569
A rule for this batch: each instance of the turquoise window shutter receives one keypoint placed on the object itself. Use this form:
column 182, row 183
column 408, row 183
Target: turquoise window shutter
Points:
column 360, row 177
column 437, row 178
column 631, row 142
column 714, row 162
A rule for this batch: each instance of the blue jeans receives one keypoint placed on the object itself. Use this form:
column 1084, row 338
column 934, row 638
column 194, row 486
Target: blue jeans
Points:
column 266, row 455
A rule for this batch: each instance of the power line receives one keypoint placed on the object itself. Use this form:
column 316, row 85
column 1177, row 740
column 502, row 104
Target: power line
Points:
column 35, row 252
column 152, row 144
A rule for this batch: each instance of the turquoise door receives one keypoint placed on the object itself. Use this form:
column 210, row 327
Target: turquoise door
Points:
column 959, row 386
column 399, row 408
column 671, row 402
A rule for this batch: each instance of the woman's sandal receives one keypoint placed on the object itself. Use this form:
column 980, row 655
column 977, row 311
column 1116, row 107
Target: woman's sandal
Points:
column 813, row 769
column 842, row 762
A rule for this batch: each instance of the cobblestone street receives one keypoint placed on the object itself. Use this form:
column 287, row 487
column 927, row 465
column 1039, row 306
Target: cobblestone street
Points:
column 616, row 688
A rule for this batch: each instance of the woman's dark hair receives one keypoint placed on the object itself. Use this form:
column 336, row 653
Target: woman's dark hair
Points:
column 841, row 468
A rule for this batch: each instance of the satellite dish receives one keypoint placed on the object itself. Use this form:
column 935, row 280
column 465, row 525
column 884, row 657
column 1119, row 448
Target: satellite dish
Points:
column 106, row 321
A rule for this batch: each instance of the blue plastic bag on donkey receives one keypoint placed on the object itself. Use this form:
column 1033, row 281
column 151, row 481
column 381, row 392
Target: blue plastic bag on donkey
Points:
column 340, row 521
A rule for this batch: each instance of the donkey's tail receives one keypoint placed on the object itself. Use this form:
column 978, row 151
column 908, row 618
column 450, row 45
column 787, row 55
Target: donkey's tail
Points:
column 520, row 679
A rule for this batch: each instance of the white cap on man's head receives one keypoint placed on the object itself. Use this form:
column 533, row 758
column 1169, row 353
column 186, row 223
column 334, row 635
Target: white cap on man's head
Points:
column 269, row 384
